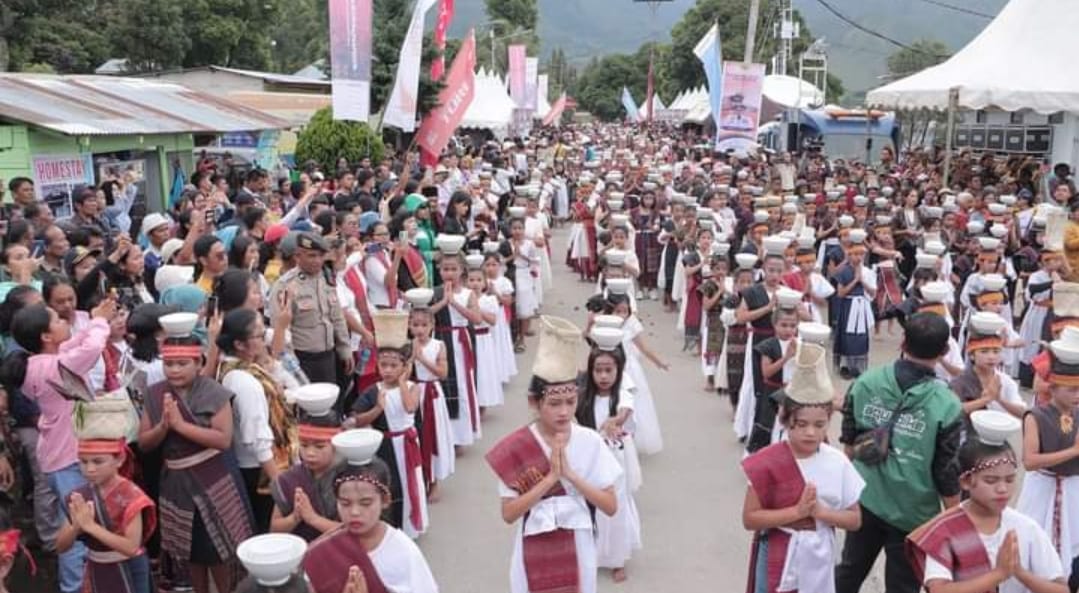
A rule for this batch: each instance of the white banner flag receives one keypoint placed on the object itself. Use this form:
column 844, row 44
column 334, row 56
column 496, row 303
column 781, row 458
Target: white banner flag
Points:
column 531, row 82
column 541, row 95
column 401, row 108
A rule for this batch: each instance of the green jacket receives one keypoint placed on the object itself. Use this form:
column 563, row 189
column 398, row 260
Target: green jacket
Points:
column 901, row 490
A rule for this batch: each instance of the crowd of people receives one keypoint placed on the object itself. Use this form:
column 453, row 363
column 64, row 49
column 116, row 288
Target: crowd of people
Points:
column 308, row 355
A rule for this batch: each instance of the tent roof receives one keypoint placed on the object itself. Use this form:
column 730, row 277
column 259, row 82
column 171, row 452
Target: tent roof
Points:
column 791, row 91
column 491, row 106
column 1019, row 61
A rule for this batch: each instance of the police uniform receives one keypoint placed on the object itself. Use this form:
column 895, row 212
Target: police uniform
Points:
column 319, row 334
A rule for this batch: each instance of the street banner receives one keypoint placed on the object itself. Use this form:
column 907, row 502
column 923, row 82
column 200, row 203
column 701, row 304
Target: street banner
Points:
column 517, row 68
column 454, row 100
column 709, row 52
column 350, row 56
column 445, row 17
column 555, row 115
column 541, row 91
column 740, row 112
column 632, row 113
column 56, row 177
column 401, row 107
column 531, row 82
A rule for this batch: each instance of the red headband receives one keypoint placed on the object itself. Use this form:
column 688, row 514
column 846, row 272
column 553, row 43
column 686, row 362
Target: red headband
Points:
column 177, row 351
column 102, row 446
column 311, row 432
column 986, row 343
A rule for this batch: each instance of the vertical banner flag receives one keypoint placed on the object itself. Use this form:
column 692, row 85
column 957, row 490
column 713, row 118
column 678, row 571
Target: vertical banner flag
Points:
column 531, row 82
column 401, row 107
column 651, row 91
column 350, row 57
column 708, row 51
column 740, row 112
column 445, row 16
column 541, row 94
column 438, row 126
column 554, row 116
column 517, row 67
column 630, row 105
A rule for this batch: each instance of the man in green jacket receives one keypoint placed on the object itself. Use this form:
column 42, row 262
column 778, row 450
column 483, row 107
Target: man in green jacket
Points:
column 920, row 472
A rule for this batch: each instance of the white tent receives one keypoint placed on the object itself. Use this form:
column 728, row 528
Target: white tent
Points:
column 1022, row 60
column 491, row 107
column 791, row 91
column 698, row 106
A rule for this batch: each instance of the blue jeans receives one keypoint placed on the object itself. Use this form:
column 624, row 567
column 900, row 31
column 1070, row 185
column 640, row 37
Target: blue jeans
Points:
column 72, row 562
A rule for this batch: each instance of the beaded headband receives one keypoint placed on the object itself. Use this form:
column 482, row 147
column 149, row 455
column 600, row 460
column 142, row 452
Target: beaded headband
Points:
column 382, row 488
column 990, row 464
column 560, row 388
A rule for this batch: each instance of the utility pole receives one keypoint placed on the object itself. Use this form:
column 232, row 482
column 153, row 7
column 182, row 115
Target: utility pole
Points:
column 751, row 31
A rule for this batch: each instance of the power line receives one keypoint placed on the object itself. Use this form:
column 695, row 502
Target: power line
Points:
column 961, row 9
column 868, row 31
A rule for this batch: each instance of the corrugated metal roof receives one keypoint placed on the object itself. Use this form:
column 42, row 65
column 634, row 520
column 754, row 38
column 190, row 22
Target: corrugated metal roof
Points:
column 111, row 105
column 275, row 77
column 297, row 108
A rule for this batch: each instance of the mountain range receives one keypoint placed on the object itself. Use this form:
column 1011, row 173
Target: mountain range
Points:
column 588, row 28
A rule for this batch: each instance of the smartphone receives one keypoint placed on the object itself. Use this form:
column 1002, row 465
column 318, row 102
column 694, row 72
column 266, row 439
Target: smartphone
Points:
column 211, row 306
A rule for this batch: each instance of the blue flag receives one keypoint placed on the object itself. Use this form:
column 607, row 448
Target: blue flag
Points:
column 709, row 53
column 630, row 105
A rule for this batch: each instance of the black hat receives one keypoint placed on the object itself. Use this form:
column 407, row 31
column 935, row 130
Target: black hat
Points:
column 310, row 240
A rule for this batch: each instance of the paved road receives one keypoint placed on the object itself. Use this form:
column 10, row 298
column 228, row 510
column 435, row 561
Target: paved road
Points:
column 691, row 500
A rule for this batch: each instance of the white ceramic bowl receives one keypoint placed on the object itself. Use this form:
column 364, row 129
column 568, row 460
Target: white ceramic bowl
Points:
column 806, row 241
column 474, row 260
column 358, row 445
column 998, row 231
column 1008, row 200
column 857, row 236
column 615, row 257
column 606, row 338
column 419, row 297
column 491, row 246
column 846, row 221
column 1070, row 335
column 861, row 201
column 619, row 285
column 881, row 203
column 975, row 228
column 934, row 212
column 178, row 324
column 935, row 248
column 316, row 398
column 450, row 243
column 1066, row 352
column 720, row 249
column 607, row 322
column 926, row 260
column 707, row 224
column 516, row 211
column 745, row 260
column 936, row 292
column 760, row 216
column 994, row 427
column 776, row 245
column 788, row 298
column 615, row 205
column 705, row 213
column 994, row 282
column 997, row 209
column 988, row 243
column 986, row 323
column 619, row 220
column 272, row 558
column 816, row 333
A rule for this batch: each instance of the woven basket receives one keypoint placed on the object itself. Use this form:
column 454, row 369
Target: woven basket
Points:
column 103, row 418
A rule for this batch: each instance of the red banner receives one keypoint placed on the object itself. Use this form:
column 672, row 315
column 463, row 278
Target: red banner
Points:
column 555, row 114
column 453, row 101
column 445, row 16
column 518, row 82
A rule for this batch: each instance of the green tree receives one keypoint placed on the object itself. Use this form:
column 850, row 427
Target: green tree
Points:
column 145, row 34
column 512, row 22
column 325, row 140
column 300, row 36
column 598, row 90
column 67, row 35
column 921, row 54
column 231, row 33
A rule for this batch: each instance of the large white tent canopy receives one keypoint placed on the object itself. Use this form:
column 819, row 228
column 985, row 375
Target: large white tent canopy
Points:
column 791, row 91
column 1022, row 60
column 491, row 107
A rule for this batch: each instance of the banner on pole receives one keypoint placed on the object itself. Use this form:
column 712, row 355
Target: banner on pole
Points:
column 531, row 82
column 404, row 99
column 554, row 116
column 517, row 68
column 350, row 56
column 445, row 16
column 630, row 105
column 740, row 112
column 454, row 100
column 709, row 52
column 541, row 91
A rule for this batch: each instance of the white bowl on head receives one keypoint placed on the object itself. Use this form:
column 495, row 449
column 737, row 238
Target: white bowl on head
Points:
column 816, row 333
column 832, row 195
column 516, row 211
column 988, row 243
column 975, row 227
column 936, row 292
column 993, row 427
column 705, row 213
column 707, row 224
column 846, row 221
column 857, row 236
column 1008, row 200
column 316, row 398
column 883, row 220
column 746, row 261
column 1067, row 352
column 474, row 260
column 761, row 216
column 998, row 231
column 1070, row 335
column 419, row 297
column 788, row 298
column 887, row 191
column 178, row 325
column 606, row 338
column 881, row 203
column 934, row 212
column 997, row 209
column 935, row 248
column 450, row 243
column 806, row 241
column 994, row 282
column 491, row 246
column 860, row 201
column 358, row 445
column 272, row 558
column 789, row 208
column 615, row 257
column 607, row 321
column 720, row 249
column 615, row 205
column 926, row 260
column 776, row 245
column 619, row 285
column 987, row 323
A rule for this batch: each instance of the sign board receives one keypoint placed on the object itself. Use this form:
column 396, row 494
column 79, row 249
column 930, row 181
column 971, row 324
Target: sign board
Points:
column 57, row 176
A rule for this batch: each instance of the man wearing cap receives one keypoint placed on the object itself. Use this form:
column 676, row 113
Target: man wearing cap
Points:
column 320, row 336
column 155, row 227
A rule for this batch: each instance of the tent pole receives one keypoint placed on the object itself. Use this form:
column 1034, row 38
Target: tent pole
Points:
column 953, row 105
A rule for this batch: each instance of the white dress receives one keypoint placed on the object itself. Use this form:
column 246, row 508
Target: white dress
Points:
column 1031, row 327
column 1036, row 500
column 400, row 564
column 1036, row 553
column 618, row 536
column 648, row 436
column 524, row 264
column 535, row 227
column 507, row 362
column 819, row 288
column 401, row 420
column 443, row 463
column 488, row 369
column 590, row 459
column 464, row 433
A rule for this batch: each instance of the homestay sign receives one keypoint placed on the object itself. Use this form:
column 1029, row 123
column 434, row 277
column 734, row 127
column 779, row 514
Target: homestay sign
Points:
column 57, row 176
column 454, row 100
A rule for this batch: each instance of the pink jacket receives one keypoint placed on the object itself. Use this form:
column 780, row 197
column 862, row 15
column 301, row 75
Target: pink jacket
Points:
column 57, row 447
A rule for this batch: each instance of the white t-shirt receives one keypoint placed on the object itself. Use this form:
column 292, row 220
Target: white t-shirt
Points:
column 252, row 439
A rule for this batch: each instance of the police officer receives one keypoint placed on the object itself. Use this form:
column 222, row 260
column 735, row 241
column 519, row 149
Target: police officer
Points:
column 319, row 335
